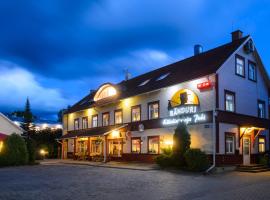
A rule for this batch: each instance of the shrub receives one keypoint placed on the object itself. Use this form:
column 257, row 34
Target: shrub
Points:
column 164, row 160
column 181, row 139
column 14, row 151
column 196, row 160
column 263, row 159
column 31, row 148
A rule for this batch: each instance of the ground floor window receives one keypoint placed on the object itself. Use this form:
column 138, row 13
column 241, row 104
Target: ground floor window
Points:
column 229, row 143
column 96, row 147
column 135, row 145
column 153, row 144
column 1, row 145
column 261, row 144
column 115, row 148
column 82, row 146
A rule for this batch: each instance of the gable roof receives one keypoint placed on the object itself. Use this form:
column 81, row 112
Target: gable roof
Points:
column 190, row 68
column 11, row 122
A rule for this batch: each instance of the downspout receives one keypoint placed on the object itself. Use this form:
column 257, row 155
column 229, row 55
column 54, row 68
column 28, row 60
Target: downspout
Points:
column 213, row 128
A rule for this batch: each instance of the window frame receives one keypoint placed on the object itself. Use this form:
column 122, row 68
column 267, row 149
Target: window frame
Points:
column 255, row 66
column 263, row 137
column 106, row 113
column 77, row 119
column 134, row 107
column 118, row 110
column 148, row 139
column 135, row 138
column 229, row 134
column 264, row 108
column 148, row 109
column 244, row 65
column 96, row 115
column 83, row 118
column 234, row 95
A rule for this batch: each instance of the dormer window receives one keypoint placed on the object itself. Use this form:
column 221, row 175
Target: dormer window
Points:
column 104, row 92
column 144, row 82
column 162, row 77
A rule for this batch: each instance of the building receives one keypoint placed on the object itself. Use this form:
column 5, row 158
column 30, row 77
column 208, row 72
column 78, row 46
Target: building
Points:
column 7, row 127
column 221, row 94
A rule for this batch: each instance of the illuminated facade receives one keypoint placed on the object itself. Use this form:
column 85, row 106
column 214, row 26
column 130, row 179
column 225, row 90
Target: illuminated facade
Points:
column 222, row 95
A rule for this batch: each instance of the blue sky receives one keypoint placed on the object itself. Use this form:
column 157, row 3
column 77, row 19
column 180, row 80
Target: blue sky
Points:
column 55, row 52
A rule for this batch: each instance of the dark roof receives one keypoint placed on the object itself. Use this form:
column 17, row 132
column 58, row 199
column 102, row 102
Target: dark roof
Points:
column 190, row 68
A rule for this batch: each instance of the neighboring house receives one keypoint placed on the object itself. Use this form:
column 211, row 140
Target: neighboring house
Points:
column 7, row 127
column 221, row 94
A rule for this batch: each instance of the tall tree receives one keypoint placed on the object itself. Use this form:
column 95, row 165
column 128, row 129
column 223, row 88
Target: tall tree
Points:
column 27, row 116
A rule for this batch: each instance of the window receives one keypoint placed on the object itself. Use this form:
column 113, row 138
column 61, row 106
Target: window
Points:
column 95, row 147
column 85, row 122
column 118, row 117
column 136, row 145
column 229, row 101
column 229, row 143
column 94, row 121
column 252, row 73
column 240, row 66
column 105, row 119
column 144, row 82
column 76, row 124
column 136, row 113
column 153, row 110
column 261, row 109
column 104, row 92
column 153, row 144
column 261, row 144
column 162, row 77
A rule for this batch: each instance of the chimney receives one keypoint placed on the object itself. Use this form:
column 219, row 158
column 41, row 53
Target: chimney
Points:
column 236, row 35
column 198, row 49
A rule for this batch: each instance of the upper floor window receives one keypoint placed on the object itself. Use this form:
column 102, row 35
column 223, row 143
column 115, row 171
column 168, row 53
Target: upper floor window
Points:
column 118, row 117
column 261, row 144
column 261, row 109
column 105, row 91
column 85, row 122
column 153, row 110
column 252, row 72
column 94, row 121
column 105, row 119
column 240, row 66
column 229, row 143
column 229, row 101
column 136, row 113
column 76, row 124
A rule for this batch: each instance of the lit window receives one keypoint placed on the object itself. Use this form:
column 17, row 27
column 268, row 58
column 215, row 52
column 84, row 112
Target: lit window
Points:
column 162, row 77
column 136, row 113
column 261, row 144
column 240, row 66
column 95, row 147
column 85, row 122
column 153, row 110
column 145, row 82
column 118, row 116
column 105, row 119
column 229, row 101
column 76, row 124
column 261, row 109
column 153, row 144
column 94, row 121
column 135, row 145
column 104, row 92
column 252, row 71
column 229, row 147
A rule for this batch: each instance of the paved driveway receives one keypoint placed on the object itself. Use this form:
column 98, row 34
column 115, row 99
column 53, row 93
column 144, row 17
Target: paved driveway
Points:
column 87, row 182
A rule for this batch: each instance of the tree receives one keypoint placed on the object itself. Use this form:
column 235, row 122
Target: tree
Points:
column 27, row 116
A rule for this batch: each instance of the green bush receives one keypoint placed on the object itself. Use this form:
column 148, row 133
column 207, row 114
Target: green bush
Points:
column 164, row 160
column 181, row 139
column 14, row 151
column 31, row 148
column 196, row 160
column 263, row 159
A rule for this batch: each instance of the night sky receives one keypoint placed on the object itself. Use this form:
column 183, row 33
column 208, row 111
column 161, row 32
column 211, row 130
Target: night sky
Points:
column 56, row 51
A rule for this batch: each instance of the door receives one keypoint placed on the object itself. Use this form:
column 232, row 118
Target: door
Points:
column 115, row 148
column 246, row 150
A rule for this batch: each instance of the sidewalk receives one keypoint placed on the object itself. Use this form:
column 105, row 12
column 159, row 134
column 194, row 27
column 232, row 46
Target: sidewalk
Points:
column 111, row 164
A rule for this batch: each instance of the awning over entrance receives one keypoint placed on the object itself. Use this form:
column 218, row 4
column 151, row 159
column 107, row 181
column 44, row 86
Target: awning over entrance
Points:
column 93, row 131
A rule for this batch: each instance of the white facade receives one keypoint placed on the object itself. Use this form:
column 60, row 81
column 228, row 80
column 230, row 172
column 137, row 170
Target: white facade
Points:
column 8, row 127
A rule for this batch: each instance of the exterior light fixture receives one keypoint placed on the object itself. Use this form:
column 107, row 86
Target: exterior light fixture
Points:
column 115, row 134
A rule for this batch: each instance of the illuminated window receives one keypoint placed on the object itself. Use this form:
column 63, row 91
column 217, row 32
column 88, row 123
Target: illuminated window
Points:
column 240, row 66
column 118, row 117
column 144, row 82
column 162, row 77
column 104, row 92
column 76, row 124
column 136, row 113
column 85, row 122
column 229, row 143
column 94, row 121
column 229, row 101
column 95, row 147
column 153, row 144
column 261, row 144
column 153, row 110
column 252, row 74
column 135, row 145
column 105, row 119
column 1, row 145
column 261, row 109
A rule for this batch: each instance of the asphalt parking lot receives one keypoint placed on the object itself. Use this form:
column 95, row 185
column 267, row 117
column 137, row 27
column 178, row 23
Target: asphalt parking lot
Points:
column 78, row 182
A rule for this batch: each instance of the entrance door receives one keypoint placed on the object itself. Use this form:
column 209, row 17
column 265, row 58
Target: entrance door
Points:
column 246, row 150
column 115, row 148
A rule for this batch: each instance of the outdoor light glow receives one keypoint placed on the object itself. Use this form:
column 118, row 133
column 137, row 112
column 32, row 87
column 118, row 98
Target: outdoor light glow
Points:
column 42, row 152
column 168, row 142
column 115, row 134
column 1, row 145
column 44, row 126
column 126, row 103
column 58, row 126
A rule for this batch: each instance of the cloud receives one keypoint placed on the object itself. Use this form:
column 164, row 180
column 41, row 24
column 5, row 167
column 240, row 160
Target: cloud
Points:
column 17, row 84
